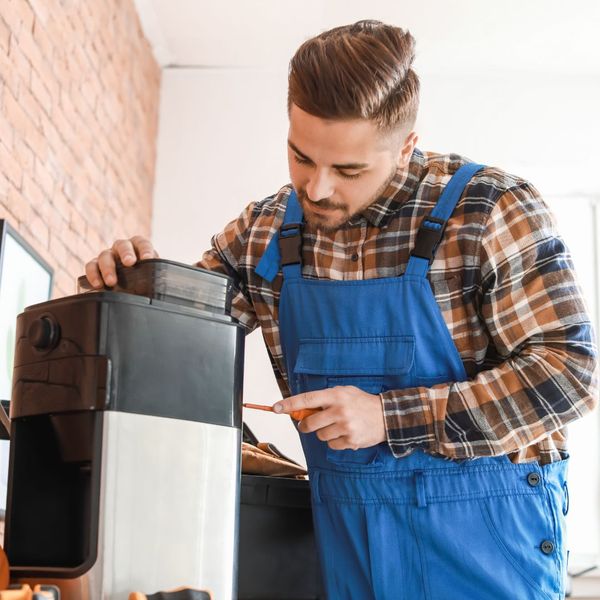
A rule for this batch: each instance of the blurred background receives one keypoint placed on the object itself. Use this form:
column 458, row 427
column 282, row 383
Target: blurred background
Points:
column 167, row 117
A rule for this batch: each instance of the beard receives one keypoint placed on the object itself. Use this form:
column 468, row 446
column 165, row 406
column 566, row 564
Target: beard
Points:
column 332, row 216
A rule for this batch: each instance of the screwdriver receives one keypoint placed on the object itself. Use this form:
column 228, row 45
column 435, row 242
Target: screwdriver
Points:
column 297, row 415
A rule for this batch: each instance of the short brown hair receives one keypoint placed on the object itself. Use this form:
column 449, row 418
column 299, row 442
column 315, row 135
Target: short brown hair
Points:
column 357, row 71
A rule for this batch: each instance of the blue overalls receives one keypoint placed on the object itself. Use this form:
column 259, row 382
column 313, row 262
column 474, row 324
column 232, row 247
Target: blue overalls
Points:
column 420, row 526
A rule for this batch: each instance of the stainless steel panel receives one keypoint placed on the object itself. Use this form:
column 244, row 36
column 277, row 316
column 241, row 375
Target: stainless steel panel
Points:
column 168, row 508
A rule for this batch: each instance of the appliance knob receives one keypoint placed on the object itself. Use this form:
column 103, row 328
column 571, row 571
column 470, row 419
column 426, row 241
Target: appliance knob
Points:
column 43, row 333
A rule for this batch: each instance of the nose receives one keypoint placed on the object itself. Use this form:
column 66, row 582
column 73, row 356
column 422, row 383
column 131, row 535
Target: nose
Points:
column 319, row 186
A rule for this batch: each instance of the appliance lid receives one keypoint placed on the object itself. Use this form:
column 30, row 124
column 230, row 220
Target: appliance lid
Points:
column 174, row 282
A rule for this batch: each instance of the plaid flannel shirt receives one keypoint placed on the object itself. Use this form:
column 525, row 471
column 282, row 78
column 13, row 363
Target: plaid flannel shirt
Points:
column 504, row 281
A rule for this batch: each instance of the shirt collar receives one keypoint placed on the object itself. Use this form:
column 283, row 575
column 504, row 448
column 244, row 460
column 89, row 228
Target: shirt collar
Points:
column 398, row 191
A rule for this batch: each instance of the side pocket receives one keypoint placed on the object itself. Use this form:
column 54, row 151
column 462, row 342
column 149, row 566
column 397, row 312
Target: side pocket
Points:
column 520, row 526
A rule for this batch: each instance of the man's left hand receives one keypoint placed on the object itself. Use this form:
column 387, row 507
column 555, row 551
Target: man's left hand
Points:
column 349, row 418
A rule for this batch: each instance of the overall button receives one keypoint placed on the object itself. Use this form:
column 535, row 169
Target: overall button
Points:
column 547, row 547
column 533, row 479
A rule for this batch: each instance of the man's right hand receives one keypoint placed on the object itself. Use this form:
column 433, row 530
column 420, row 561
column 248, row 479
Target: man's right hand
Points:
column 102, row 270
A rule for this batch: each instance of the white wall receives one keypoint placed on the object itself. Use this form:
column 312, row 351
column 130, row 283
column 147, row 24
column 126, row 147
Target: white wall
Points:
column 222, row 144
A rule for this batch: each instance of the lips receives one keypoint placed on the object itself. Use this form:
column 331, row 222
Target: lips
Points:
column 319, row 209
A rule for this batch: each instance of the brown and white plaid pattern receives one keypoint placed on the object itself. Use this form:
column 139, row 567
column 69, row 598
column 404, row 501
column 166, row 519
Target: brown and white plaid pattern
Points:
column 504, row 282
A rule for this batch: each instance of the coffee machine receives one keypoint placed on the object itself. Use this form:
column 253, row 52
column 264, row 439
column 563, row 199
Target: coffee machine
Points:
column 125, row 436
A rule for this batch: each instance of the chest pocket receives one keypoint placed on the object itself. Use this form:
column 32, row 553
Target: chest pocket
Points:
column 373, row 364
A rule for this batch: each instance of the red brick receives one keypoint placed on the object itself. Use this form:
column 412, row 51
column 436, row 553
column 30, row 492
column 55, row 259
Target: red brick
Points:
column 76, row 264
column 43, row 177
column 57, row 248
column 15, row 114
column 77, row 24
column 51, row 133
column 89, row 93
column 98, row 157
column 25, row 13
column 40, row 9
column 6, row 131
column 66, row 102
column 42, row 92
column 70, row 239
column 61, row 204
column 4, row 36
column 56, row 223
column 18, row 205
column 30, row 105
column 56, row 169
column 67, row 160
column 11, row 17
column 23, row 154
column 39, row 229
column 21, row 67
column 30, row 49
column 17, row 16
column 78, row 122
column 7, row 215
column 9, row 80
column 60, row 68
column 94, row 240
column 64, row 283
column 88, row 18
column 65, row 126
column 85, row 251
column 76, row 221
column 33, row 193
column 10, row 166
column 3, row 188
column 35, row 139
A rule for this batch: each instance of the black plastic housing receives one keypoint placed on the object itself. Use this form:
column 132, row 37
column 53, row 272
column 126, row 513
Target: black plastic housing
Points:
column 77, row 357
column 277, row 551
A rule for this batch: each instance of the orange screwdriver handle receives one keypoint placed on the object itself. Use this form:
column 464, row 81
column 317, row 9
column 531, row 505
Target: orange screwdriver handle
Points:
column 298, row 415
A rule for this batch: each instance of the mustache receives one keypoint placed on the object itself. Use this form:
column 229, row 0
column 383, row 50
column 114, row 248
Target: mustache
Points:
column 322, row 203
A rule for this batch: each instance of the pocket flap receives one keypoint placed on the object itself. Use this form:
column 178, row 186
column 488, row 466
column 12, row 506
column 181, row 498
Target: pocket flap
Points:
column 392, row 355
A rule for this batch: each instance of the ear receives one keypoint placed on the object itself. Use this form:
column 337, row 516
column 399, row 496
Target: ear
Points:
column 407, row 148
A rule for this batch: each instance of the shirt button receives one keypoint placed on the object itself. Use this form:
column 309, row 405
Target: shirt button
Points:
column 354, row 257
column 533, row 479
column 547, row 547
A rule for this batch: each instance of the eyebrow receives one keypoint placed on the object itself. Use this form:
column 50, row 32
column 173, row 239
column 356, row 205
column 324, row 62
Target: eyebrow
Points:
column 337, row 166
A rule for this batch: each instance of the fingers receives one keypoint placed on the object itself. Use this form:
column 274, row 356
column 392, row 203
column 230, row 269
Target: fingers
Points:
column 143, row 248
column 317, row 421
column 102, row 270
column 124, row 251
column 342, row 443
column 107, row 267
column 92, row 272
column 336, row 437
column 303, row 401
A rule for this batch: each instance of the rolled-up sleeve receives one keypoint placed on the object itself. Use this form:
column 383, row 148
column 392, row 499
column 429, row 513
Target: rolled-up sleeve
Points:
column 541, row 338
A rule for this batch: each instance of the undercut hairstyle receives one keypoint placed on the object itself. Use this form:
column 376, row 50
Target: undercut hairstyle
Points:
column 358, row 71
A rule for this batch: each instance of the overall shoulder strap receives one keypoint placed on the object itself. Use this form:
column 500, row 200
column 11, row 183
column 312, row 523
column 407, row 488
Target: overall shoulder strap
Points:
column 285, row 248
column 431, row 230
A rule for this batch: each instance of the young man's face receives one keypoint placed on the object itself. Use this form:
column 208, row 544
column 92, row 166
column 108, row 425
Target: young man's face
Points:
column 338, row 168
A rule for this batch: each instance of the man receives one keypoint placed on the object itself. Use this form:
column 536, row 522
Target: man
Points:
column 427, row 309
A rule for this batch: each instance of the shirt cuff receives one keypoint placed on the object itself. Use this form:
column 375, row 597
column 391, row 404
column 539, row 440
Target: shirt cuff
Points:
column 408, row 418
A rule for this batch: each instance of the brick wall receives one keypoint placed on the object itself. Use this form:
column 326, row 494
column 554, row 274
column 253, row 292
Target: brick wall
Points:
column 79, row 92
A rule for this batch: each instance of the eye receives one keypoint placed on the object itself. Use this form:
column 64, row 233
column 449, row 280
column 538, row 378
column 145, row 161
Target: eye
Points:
column 300, row 160
column 349, row 175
